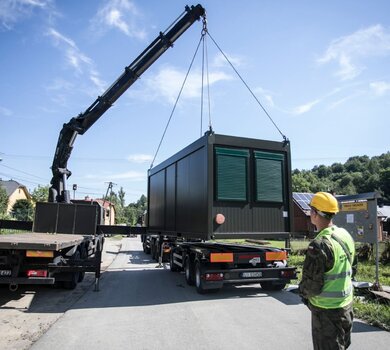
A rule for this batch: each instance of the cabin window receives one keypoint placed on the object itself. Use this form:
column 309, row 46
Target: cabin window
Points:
column 269, row 176
column 231, row 174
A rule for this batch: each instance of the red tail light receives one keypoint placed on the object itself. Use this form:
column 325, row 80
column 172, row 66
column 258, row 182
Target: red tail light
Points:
column 287, row 274
column 213, row 276
column 36, row 273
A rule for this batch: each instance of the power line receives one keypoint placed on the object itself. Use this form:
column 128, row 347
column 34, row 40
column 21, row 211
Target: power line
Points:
column 23, row 172
column 88, row 159
column 21, row 179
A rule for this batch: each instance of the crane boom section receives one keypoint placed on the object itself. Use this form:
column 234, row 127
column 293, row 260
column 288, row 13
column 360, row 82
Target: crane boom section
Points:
column 81, row 123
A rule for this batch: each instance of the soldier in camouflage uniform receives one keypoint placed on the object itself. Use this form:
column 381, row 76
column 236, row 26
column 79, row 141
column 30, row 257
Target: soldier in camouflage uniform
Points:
column 326, row 285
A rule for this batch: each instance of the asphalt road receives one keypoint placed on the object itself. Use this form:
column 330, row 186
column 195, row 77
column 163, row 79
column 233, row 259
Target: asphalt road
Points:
column 140, row 306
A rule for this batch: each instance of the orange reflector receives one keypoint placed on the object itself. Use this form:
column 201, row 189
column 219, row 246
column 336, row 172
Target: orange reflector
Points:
column 39, row 253
column 221, row 257
column 275, row 256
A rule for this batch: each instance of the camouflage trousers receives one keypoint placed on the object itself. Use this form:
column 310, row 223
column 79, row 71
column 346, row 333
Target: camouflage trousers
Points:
column 331, row 328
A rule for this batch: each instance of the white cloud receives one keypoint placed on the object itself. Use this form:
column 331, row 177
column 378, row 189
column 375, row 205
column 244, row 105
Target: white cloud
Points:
column 140, row 158
column 14, row 11
column 349, row 51
column 58, row 91
column 380, row 88
column 167, row 82
column 267, row 95
column 220, row 61
column 342, row 100
column 95, row 78
column 58, row 37
column 5, row 111
column 76, row 58
column 121, row 15
column 305, row 108
column 60, row 85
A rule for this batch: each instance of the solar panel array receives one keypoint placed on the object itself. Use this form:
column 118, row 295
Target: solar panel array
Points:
column 303, row 199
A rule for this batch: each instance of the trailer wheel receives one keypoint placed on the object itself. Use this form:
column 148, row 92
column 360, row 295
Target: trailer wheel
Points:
column 146, row 248
column 74, row 275
column 188, row 272
column 198, row 280
column 269, row 285
column 84, row 255
column 173, row 267
column 199, row 283
column 154, row 250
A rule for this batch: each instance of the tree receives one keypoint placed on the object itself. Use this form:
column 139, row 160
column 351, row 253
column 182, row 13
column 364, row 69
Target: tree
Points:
column 121, row 197
column 3, row 202
column 136, row 210
column 40, row 194
column 384, row 160
column 357, row 164
column 23, row 210
column 337, row 168
column 142, row 202
column 300, row 183
column 130, row 212
column 384, row 176
column 359, row 174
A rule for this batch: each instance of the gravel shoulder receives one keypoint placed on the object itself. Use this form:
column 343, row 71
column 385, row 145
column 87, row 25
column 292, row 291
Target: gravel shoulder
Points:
column 25, row 315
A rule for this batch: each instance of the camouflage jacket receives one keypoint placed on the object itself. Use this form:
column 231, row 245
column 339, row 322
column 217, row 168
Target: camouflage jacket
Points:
column 319, row 259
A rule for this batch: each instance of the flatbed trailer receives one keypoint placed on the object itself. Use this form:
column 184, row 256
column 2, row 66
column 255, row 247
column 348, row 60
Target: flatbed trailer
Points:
column 40, row 241
column 216, row 189
column 47, row 255
column 209, row 265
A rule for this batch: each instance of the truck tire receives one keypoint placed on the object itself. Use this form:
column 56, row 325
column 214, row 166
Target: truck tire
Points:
column 173, row 267
column 270, row 285
column 199, row 283
column 188, row 272
column 84, row 255
column 74, row 275
column 154, row 250
column 145, row 248
column 198, row 280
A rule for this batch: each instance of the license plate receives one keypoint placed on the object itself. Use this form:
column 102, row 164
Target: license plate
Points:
column 5, row 272
column 251, row 274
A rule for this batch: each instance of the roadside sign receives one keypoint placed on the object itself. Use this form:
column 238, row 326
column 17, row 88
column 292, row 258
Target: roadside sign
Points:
column 353, row 206
column 358, row 215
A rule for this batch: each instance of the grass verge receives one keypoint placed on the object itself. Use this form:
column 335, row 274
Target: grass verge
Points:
column 367, row 308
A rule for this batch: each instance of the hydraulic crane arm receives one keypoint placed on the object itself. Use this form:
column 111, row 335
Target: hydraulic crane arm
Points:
column 81, row 123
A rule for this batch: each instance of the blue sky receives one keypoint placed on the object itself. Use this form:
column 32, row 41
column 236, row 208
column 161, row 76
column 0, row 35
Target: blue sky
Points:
column 321, row 69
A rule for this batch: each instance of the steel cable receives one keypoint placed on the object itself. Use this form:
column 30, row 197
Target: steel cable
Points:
column 177, row 100
column 247, row 86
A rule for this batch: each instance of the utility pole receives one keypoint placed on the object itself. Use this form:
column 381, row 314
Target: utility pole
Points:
column 109, row 189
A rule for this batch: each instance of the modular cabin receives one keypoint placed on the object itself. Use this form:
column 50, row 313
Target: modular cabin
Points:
column 223, row 187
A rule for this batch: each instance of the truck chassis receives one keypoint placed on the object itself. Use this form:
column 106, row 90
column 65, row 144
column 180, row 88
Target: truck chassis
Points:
column 210, row 265
column 49, row 258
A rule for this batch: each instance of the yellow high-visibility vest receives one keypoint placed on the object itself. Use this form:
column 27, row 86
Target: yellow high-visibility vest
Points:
column 337, row 291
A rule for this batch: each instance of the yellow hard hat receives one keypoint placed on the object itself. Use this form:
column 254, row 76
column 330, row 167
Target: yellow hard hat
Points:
column 325, row 202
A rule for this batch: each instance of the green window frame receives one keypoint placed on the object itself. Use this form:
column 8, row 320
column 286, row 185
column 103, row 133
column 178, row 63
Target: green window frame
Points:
column 269, row 176
column 231, row 169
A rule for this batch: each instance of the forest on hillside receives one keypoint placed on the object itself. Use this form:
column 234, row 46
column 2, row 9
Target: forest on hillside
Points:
column 359, row 174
